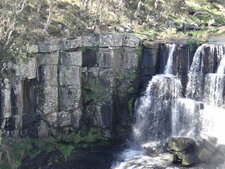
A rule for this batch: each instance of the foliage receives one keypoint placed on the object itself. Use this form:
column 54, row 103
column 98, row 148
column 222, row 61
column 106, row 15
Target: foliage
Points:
column 13, row 150
column 194, row 42
column 16, row 26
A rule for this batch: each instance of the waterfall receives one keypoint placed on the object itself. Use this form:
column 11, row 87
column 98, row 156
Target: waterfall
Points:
column 214, row 89
column 202, row 111
column 195, row 76
column 153, row 111
column 221, row 53
column 163, row 110
column 169, row 65
column 221, row 68
column 153, row 116
column 194, row 116
column 213, row 115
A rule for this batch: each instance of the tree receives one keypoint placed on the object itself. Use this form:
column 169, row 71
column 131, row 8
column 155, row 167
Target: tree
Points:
column 10, row 13
column 19, row 19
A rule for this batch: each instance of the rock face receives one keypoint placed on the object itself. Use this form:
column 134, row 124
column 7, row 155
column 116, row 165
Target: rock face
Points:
column 73, row 84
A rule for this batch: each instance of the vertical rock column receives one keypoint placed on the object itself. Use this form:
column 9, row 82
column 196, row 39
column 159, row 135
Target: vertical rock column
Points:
column 47, row 106
column 6, row 106
column 110, row 71
column 24, row 101
column 70, row 89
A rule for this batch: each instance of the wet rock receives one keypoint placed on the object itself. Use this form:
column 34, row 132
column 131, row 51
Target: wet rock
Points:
column 183, row 149
column 181, row 144
column 206, row 150
column 188, row 152
column 187, row 159
column 154, row 149
column 167, row 157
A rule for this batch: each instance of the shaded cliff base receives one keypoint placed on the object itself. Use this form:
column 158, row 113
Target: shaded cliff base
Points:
column 62, row 152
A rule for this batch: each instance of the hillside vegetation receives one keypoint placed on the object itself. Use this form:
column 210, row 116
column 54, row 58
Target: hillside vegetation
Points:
column 25, row 22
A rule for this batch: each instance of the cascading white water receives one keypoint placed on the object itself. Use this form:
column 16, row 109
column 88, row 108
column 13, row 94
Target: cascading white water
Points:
column 214, row 89
column 153, row 116
column 221, row 68
column 185, row 115
column 163, row 110
column 169, row 65
column 187, row 112
column 213, row 114
column 195, row 76
column 212, row 119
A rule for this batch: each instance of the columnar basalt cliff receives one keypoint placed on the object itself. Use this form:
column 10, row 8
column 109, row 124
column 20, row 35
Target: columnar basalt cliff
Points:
column 71, row 85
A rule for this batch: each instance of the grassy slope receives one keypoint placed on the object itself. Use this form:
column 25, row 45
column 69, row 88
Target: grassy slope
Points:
column 71, row 18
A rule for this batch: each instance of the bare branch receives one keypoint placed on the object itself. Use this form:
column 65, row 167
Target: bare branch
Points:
column 50, row 14
column 22, row 7
column 203, row 13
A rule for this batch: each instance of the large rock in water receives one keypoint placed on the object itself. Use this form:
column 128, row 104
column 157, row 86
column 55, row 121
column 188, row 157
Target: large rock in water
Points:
column 183, row 149
column 188, row 151
column 179, row 144
column 206, row 150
